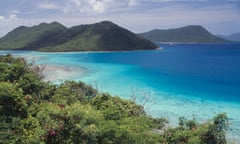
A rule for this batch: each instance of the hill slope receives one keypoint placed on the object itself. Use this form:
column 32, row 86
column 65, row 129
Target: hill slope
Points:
column 103, row 36
column 195, row 34
column 33, row 37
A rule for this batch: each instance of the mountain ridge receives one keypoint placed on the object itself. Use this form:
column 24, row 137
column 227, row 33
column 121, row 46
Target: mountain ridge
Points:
column 186, row 34
column 102, row 36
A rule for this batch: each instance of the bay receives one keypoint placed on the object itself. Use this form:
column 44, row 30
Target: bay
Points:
column 190, row 80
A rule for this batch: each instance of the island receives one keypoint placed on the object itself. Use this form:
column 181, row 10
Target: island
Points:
column 55, row 37
column 235, row 37
column 187, row 34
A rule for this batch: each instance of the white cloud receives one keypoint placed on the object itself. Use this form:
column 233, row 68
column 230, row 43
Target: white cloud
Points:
column 13, row 17
column 8, row 23
column 97, row 6
column 136, row 15
column 87, row 6
column 2, row 18
column 132, row 3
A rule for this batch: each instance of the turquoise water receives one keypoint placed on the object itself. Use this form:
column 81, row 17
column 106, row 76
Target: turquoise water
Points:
column 193, row 80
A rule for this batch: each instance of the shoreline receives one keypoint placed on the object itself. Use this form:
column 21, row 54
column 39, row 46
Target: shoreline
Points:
column 61, row 72
column 166, row 110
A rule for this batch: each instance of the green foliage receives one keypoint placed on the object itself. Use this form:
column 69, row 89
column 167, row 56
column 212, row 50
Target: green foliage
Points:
column 34, row 37
column 12, row 69
column 32, row 111
column 187, row 124
column 28, row 131
column 189, row 132
column 115, row 108
column 217, row 131
column 30, row 84
column 195, row 34
column 69, row 92
column 104, row 36
column 7, row 135
column 12, row 102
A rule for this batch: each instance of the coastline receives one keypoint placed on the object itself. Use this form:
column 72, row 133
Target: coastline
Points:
column 69, row 52
column 165, row 106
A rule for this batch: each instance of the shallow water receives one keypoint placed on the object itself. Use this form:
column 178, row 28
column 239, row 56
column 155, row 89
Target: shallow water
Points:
column 179, row 80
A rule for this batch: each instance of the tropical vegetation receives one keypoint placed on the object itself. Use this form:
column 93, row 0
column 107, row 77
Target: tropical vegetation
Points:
column 103, row 36
column 187, row 34
column 37, row 112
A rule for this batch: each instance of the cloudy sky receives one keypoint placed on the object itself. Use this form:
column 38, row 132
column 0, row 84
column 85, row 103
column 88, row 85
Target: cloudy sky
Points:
column 218, row 16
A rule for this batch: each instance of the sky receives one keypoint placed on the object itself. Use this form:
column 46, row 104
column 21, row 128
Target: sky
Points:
column 217, row 16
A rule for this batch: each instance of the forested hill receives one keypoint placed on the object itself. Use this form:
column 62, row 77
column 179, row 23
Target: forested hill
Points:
column 187, row 34
column 103, row 36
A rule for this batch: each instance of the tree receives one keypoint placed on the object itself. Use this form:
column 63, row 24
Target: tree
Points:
column 28, row 130
column 115, row 108
column 217, row 130
column 12, row 101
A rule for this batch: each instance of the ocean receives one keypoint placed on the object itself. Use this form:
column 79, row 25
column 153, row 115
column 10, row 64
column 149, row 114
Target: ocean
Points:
column 190, row 80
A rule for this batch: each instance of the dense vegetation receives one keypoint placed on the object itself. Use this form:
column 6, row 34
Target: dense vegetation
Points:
column 187, row 34
column 36, row 112
column 103, row 36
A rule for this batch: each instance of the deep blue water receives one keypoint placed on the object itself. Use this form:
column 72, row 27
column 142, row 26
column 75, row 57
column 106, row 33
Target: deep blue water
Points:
column 204, row 70
column 182, row 79
column 211, row 69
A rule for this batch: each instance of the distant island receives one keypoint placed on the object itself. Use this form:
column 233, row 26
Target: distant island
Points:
column 232, row 37
column 187, row 34
column 103, row 36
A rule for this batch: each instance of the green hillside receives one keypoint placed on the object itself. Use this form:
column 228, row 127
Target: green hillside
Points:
column 37, row 112
column 34, row 37
column 103, row 36
column 188, row 34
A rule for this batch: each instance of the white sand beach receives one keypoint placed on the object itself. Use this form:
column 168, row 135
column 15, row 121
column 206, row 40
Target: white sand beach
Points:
column 58, row 73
